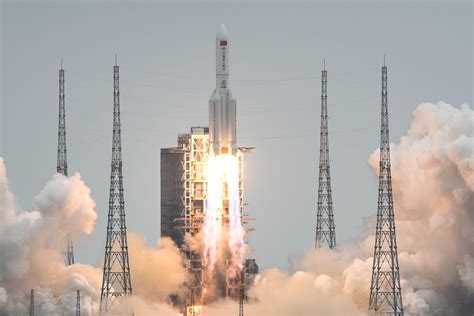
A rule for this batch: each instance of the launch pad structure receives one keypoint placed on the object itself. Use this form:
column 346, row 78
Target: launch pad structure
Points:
column 186, row 215
column 183, row 194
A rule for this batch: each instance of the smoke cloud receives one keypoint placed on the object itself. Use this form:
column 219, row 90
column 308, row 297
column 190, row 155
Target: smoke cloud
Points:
column 156, row 272
column 30, row 245
column 433, row 183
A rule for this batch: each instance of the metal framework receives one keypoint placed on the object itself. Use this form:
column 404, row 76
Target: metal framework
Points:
column 195, row 148
column 194, row 184
column 234, row 282
column 62, row 151
column 78, row 303
column 242, row 293
column 116, row 282
column 385, row 290
column 325, row 228
column 32, row 302
column 61, row 167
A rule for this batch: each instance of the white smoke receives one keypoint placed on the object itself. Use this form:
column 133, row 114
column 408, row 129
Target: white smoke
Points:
column 156, row 272
column 433, row 183
column 30, row 243
column 3, row 296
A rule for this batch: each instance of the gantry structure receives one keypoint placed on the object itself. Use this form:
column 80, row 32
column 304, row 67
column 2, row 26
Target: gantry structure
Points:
column 385, row 291
column 325, row 228
column 61, row 166
column 195, row 155
column 116, row 281
column 183, row 195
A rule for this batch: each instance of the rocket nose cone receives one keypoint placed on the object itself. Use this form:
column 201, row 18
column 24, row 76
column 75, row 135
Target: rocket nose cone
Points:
column 222, row 33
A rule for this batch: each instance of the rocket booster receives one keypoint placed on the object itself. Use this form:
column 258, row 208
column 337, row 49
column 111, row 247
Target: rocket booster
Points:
column 222, row 105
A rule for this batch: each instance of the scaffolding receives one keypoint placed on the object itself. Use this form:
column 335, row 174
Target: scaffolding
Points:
column 196, row 149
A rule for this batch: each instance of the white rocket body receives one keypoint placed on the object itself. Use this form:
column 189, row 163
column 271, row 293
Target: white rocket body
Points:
column 222, row 105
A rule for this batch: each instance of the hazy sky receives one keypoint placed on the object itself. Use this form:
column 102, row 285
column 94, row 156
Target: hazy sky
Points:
column 167, row 61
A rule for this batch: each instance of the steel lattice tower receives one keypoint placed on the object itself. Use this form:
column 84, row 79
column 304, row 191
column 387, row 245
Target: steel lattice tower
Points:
column 325, row 228
column 61, row 167
column 385, row 291
column 78, row 303
column 116, row 282
column 241, row 301
column 32, row 302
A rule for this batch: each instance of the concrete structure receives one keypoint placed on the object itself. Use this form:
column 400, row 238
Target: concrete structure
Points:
column 171, row 192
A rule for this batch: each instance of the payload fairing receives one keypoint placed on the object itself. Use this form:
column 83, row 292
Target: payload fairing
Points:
column 222, row 105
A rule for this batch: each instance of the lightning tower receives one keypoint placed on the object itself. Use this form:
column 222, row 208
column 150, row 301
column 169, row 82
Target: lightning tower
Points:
column 116, row 282
column 242, row 294
column 61, row 167
column 385, row 290
column 32, row 302
column 325, row 229
column 78, row 303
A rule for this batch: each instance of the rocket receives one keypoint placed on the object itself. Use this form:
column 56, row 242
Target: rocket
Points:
column 222, row 105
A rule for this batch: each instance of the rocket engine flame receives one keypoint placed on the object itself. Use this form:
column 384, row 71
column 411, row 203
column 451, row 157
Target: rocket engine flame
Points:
column 222, row 206
column 213, row 212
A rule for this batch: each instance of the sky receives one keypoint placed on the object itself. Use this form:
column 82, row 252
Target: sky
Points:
column 167, row 62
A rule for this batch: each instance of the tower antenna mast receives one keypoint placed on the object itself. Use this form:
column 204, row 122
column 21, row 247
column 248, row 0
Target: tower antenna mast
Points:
column 116, row 283
column 61, row 167
column 78, row 303
column 385, row 291
column 325, row 228
column 32, row 302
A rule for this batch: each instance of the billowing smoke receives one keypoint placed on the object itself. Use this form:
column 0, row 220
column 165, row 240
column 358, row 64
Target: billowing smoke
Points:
column 30, row 257
column 156, row 272
column 30, row 244
column 433, row 182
